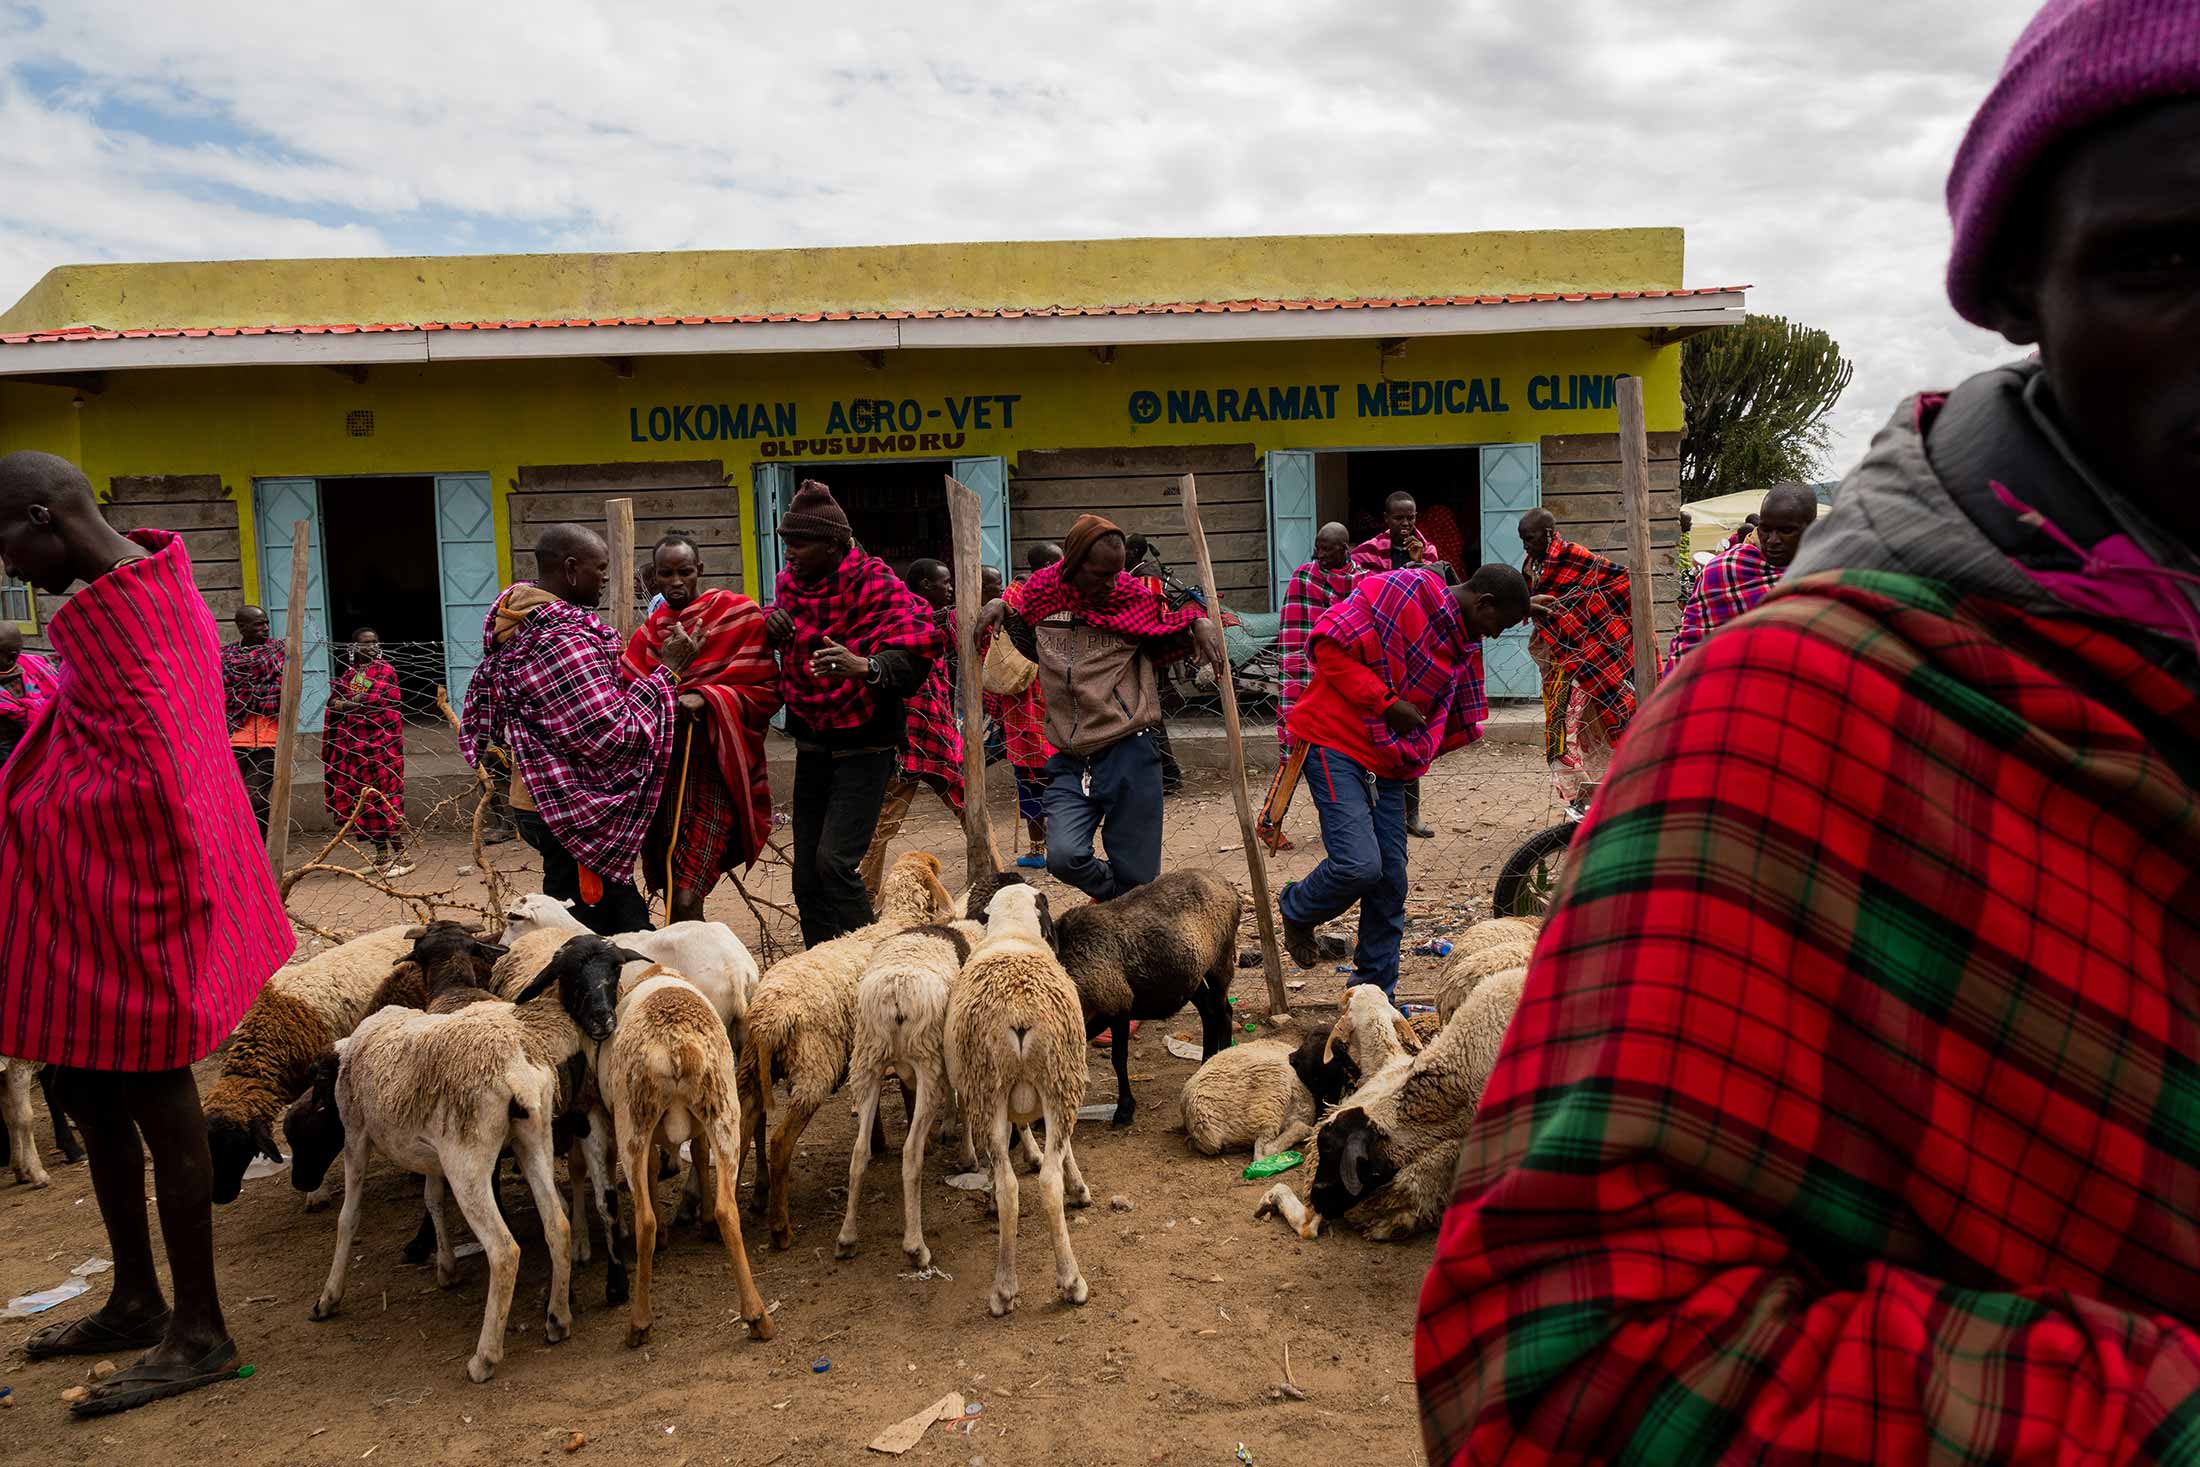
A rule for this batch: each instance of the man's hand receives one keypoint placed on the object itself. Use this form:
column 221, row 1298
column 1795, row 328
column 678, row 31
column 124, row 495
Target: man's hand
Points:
column 1404, row 718
column 834, row 660
column 678, row 652
column 691, row 702
column 1413, row 545
column 778, row 626
column 1209, row 642
column 1542, row 605
column 991, row 615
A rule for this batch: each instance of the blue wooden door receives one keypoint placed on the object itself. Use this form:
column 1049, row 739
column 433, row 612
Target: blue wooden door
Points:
column 774, row 490
column 466, row 558
column 1290, row 518
column 278, row 504
column 1512, row 484
column 988, row 479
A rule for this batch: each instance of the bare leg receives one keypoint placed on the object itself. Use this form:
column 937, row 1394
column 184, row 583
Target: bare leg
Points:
column 720, row 1134
column 892, row 809
column 1003, row 1298
column 859, row 1156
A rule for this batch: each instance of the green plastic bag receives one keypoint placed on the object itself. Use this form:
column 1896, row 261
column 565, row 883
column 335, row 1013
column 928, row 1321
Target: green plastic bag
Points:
column 1282, row 1161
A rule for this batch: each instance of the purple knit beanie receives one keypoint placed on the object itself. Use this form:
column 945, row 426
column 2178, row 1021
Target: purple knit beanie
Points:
column 2077, row 63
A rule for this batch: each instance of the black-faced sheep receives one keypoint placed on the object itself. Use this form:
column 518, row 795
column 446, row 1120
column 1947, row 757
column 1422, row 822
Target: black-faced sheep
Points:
column 1147, row 953
column 666, row 1074
column 1266, row 1094
column 901, row 1030
column 1016, row 1056
column 1386, row 1156
column 801, row 1028
column 304, row 1009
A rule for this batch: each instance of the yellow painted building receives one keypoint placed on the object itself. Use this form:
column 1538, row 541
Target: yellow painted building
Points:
column 429, row 416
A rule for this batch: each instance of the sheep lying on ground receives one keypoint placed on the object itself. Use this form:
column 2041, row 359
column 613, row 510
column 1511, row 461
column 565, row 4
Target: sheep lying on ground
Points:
column 441, row 1093
column 1370, row 1030
column 1466, row 971
column 306, row 1007
column 666, row 1075
column 1385, row 1157
column 1147, row 953
column 901, row 1021
column 1491, row 931
column 1266, row 1094
column 801, row 1028
column 1016, row 1056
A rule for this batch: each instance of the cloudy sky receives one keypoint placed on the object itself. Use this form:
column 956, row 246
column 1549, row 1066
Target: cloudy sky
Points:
column 1803, row 145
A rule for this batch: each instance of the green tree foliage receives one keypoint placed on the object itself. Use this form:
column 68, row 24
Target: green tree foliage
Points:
column 1756, row 397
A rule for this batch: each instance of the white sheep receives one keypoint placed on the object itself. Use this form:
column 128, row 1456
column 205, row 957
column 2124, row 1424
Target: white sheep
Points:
column 1265, row 1094
column 1467, row 970
column 901, row 1021
column 1370, row 1030
column 16, row 1079
column 1016, row 1056
column 304, row 1008
column 441, row 1094
column 1386, row 1156
column 801, row 1028
column 666, row 1075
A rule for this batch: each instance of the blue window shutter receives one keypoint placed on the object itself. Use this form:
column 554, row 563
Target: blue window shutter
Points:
column 988, row 479
column 276, row 505
column 466, row 558
column 774, row 490
column 1512, row 484
column 1290, row 518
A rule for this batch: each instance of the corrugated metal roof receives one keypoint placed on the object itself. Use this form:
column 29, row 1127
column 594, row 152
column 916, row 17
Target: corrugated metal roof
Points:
column 1175, row 308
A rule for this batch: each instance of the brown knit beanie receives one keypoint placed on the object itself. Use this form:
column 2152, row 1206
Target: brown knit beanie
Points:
column 815, row 515
column 1082, row 536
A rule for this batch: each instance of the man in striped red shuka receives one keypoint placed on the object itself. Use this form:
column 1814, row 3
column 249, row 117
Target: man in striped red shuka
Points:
column 1397, row 682
column 1851, row 1113
column 141, row 916
column 252, row 695
column 1399, row 543
column 363, row 752
column 588, row 750
column 854, row 644
column 716, row 810
column 931, row 756
column 1743, row 574
column 1584, row 623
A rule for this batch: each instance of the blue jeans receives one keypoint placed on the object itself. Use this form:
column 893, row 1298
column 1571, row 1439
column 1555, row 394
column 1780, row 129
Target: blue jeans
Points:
column 1115, row 794
column 1364, row 833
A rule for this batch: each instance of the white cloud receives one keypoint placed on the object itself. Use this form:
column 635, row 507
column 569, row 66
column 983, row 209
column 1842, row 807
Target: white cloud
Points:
column 1803, row 146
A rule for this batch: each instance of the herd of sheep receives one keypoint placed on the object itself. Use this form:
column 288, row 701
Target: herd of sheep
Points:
column 446, row 1050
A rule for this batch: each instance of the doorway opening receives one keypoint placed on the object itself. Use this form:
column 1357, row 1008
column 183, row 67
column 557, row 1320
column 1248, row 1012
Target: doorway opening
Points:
column 380, row 563
column 1446, row 485
column 897, row 510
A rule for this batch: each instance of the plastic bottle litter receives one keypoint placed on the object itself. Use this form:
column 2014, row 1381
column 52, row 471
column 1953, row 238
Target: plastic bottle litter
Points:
column 1435, row 947
column 1268, row 1166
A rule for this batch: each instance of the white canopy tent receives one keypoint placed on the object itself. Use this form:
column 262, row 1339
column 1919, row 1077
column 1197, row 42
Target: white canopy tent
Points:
column 1726, row 513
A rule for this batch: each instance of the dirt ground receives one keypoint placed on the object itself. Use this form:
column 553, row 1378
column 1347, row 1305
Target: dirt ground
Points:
column 1173, row 1360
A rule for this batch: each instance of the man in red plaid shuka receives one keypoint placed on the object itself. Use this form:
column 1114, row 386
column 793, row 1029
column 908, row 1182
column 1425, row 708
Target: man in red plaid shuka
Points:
column 932, row 756
column 1744, row 573
column 716, row 810
column 252, row 695
column 854, row 645
column 1315, row 587
column 1851, row 1113
column 588, row 750
column 1584, row 624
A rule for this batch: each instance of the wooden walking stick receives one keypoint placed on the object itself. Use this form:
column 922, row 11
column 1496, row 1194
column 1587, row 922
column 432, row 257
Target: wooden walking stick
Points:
column 980, row 854
column 286, row 722
column 1256, row 866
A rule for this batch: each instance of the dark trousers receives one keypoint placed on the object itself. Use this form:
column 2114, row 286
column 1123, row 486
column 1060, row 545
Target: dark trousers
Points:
column 256, row 767
column 837, row 798
column 1363, row 823
column 623, row 909
column 1115, row 794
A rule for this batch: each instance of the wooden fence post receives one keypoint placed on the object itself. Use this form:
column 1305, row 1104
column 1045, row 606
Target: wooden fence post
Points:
column 286, row 725
column 1634, row 487
column 619, row 518
column 1256, row 861
column 980, row 854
